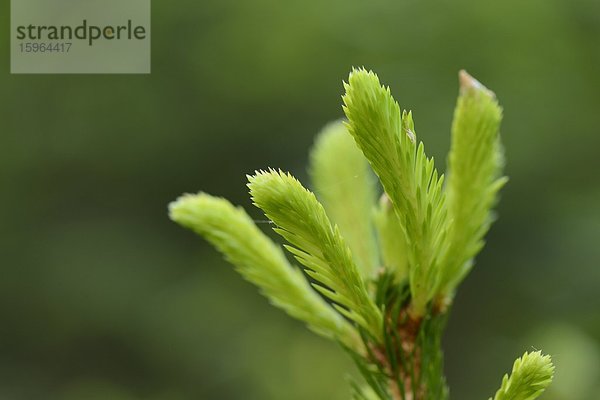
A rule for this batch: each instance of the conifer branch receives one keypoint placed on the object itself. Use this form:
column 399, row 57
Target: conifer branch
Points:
column 531, row 375
column 317, row 245
column 261, row 262
column 388, row 140
column 474, row 179
column 390, row 318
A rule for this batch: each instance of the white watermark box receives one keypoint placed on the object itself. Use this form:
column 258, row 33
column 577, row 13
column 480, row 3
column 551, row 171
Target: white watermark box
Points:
column 80, row 36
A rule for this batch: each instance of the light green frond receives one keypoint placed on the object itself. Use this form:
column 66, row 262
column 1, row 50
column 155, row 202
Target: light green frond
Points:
column 392, row 241
column 261, row 262
column 474, row 178
column 345, row 186
column 530, row 376
column 317, row 245
column 388, row 140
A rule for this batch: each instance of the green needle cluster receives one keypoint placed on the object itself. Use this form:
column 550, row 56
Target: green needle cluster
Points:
column 261, row 262
column 383, row 241
column 530, row 376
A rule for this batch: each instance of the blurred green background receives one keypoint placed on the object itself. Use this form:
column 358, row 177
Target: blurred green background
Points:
column 102, row 297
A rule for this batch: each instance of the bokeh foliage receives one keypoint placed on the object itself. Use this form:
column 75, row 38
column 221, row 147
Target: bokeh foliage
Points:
column 100, row 295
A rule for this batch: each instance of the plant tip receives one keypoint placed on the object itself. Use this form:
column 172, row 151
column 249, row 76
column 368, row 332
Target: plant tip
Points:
column 467, row 82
